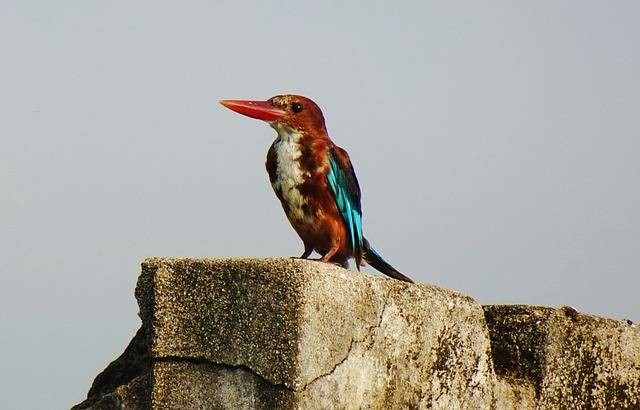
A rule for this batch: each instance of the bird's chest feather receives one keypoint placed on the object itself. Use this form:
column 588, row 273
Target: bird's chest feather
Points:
column 287, row 177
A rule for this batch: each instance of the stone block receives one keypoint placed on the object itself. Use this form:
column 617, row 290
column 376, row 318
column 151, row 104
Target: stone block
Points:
column 294, row 334
column 289, row 333
column 572, row 360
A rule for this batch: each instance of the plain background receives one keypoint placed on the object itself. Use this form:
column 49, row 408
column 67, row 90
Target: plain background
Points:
column 496, row 144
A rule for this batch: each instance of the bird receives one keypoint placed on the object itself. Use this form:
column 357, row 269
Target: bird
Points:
column 315, row 182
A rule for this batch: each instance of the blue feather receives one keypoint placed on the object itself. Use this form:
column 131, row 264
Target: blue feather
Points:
column 347, row 203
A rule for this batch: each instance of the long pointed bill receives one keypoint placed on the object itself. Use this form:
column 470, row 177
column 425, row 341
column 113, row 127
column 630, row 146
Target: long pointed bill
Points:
column 261, row 110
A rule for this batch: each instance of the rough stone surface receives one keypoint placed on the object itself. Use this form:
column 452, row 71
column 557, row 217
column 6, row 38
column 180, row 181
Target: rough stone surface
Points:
column 125, row 381
column 570, row 359
column 206, row 386
column 286, row 333
column 324, row 336
column 135, row 394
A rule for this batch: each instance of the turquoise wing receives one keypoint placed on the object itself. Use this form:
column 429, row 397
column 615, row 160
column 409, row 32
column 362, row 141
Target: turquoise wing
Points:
column 346, row 192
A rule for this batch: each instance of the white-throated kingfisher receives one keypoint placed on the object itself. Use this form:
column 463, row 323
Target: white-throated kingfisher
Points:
column 315, row 182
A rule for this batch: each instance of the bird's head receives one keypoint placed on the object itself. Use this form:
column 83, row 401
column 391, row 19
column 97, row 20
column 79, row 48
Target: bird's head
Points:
column 288, row 113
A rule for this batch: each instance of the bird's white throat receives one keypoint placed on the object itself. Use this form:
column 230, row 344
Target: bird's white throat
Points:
column 289, row 174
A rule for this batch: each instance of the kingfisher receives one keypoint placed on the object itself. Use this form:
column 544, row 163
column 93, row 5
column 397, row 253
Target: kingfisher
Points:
column 315, row 182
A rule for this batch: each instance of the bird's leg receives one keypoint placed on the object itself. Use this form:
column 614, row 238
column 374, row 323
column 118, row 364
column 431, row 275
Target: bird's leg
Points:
column 332, row 252
column 307, row 251
column 327, row 256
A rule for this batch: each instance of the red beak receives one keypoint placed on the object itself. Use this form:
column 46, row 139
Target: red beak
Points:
column 261, row 110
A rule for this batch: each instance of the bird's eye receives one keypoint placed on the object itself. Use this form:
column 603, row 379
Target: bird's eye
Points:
column 296, row 107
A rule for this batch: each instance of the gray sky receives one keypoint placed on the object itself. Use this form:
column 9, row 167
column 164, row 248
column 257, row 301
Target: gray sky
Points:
column 496, row 144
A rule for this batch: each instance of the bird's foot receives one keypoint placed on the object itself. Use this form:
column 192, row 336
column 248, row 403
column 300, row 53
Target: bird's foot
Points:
column 304, row 258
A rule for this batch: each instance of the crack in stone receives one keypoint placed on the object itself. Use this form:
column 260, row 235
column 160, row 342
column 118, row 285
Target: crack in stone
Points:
column 203, row 361
column 370, row 333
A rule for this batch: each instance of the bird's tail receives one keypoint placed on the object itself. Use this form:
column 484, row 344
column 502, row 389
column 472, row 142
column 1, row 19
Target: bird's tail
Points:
column 374, row 259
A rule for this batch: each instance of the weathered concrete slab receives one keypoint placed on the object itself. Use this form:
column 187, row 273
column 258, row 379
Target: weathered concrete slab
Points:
column 303, row 334
column 570, row 359
column 325, row 336
column 292, row 334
